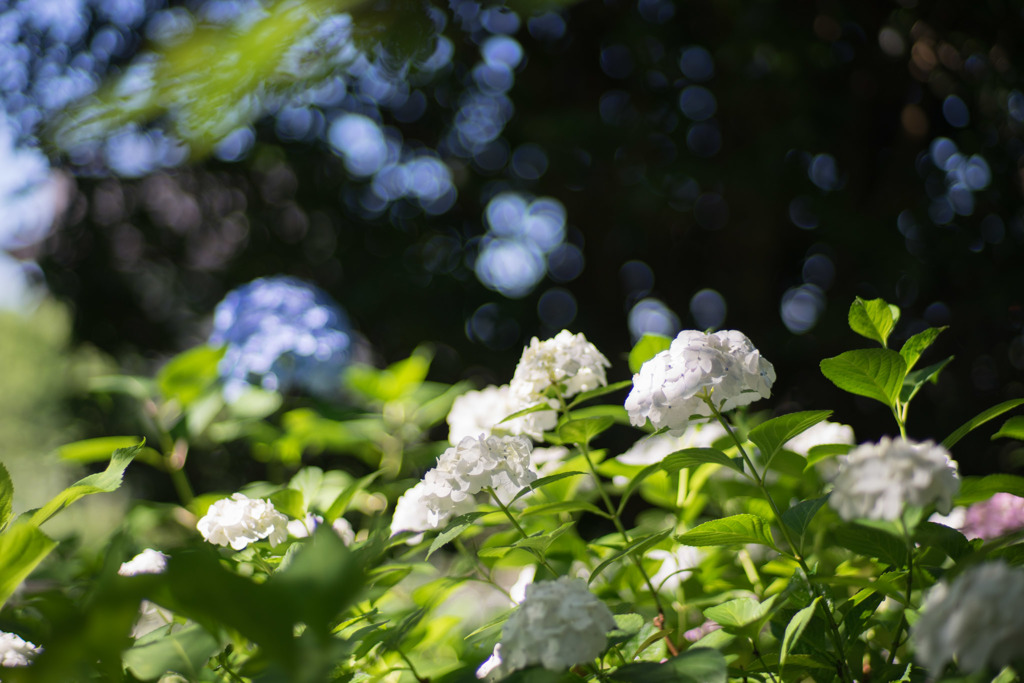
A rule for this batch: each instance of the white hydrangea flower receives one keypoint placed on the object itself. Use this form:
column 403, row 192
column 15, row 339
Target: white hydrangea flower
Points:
column 302, row 528
column 977, row 619
column 876, row 481
column 16, row 651
column 411, row 513
column 473, row 465
column 567, row 359
column 488, row 671
column 669, row 388
column 559, row 624
column 478, row 413
column 238, row 521
column 149, row 561
column 676, row 566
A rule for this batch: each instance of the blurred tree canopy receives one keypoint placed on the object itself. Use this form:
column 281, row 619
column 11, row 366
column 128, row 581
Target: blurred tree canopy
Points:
column 472, row 175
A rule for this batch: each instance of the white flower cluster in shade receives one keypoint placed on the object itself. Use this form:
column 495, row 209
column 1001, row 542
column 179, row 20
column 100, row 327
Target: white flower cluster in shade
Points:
column 877, row 481
column 16, row 651
column 670, row 387
column 976, row 619
column 559, row 624
column 476, row 413
column 473, row 465
column 567, row 360
column 238, row 521
column 151, row 615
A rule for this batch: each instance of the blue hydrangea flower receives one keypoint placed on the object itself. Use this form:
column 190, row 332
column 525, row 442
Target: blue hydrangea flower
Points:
column 281, row 334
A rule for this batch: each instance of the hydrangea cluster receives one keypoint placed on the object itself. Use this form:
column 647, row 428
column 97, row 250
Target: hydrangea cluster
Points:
column 238, row 521
column 411, row 513
column 559, row 624
column 566, row 359
column 1000, row 514
column 975, row 619
column 281, row 334
column 16, row 651
column 824, row 432
column 670, row 387
column 651, row 449
column 476, row 413
column 475, row 464
column 876, row 481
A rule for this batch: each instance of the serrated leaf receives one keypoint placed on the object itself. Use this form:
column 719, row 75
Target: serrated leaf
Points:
column 564, row 506
column 799, row 517
column 542, row 482
column 185, row 652
column 495, row 551
column 1011, row 429
column 582, row 431
column 600, row 391
column 647, row 348
column 695, row 457
column 874, row 319
column 742, row 616
column 795, row 628
column 22, row 547
column 976, row 489
column 918, row 344
column 696, row 665
column 913, row 382
column 454, row 529
column 626, row 626
column 772, row 435
column 980, row 419
column 6, row 497
column 744, row 528
column 638, row 545
column 871, row 542
column 102, row 482
column 874, row 373
column 95, row 450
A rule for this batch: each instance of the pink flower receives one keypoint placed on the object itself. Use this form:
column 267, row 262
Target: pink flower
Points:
column 1000, row 514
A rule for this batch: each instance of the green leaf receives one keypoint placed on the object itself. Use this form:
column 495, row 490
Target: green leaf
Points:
column 874, row 373
column 795, row 628
column 22, row 547
column 980, row 419
column 1011, row 429
column 647, row 348
column 102, row 482
column 696, row 665
column 600, row 391
column 289, row 502
column 341, row 503
column 695, row 457
column 542, row 539
column 185, row 652
column 874, row 319
column 95, row 450
column 190, row 374
column 918, row 344
column 742, row 616
column 542, row 482
column 564, row 506
column 770, row 436
column 635, row 481
column 871, row 542
column 976, row 489
column 913, row 382
column 825, row 451
column 6, row 497
column 799, row 517
column 582, row 431
column 950, row 541
column 638, row 545
column 743, row 528
column 454, row 529
column 526, row 411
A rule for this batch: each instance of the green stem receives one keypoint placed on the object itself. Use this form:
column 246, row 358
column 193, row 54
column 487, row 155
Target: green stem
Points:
column 910, row 588
column 844, row 670
column 481, row 569
column 522, row 532
column 412, row 669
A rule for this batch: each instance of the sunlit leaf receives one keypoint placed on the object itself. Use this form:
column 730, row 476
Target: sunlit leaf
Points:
column 542, row 482
column 564, row 506
column 772, row 435
column 190, row 374
column 874, row 373
column 22, row 548
column 1011, row 429
column 6, row 496
column 918, row 344
column 913, row 382
column 647, row 348
column 744, row 528
column 582, row 431
column 874, row 319
column 600, row 391
column 695, row 457
column 795, row 628
column 637, row 546
column 455, row 528
column 185, row 651
column 743, row 616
